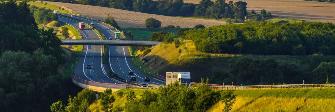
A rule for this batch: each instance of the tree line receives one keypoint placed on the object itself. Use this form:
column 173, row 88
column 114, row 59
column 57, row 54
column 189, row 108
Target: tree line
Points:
column 32, row 73
column 173, row 98
column 275, row 38
column 311, row 42
column 212, row 9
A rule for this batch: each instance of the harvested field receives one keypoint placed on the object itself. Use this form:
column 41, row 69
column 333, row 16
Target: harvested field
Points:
column 299, row 9
column 136, row 19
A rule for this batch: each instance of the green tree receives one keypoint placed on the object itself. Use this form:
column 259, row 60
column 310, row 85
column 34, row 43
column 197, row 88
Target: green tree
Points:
column 152, row 23
column 325, row 72
column 228, row 98
column 65, row 32
column 57, row 107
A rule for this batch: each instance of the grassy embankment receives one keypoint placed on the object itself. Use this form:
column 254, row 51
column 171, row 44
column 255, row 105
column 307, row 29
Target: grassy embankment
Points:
column 282, row 100
column 259, row 100
column 167, row 57
column 73, row 32
column 51, row 7
column 145, row 34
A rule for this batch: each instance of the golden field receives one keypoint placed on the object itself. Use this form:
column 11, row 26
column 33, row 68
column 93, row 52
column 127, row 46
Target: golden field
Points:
column 299, row 9
column 135, row 19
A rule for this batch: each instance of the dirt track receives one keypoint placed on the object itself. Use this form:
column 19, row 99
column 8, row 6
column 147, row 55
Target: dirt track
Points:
column 136, row 19
column 300, row 9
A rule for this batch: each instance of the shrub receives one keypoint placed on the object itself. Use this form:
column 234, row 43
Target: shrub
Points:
column 152, row 23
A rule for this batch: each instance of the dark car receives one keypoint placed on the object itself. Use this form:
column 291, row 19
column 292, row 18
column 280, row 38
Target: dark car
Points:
column 131, row 73
column 89, row 66
column 146, row 79
column 132, row 79
column 143, row 85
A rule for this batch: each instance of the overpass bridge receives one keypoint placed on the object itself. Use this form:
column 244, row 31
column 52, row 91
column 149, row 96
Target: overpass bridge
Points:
column 110, row 42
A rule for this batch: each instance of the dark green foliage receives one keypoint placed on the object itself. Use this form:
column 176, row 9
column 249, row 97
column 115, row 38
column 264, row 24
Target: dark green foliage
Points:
column 57, row 107
column 81, row 102
column 172, row 98
column 112, row 22
column 199, row 26
column 207, row 8
column 325, row 72
column 43, row 16
column 107, row 100
column 152, row 23
column 32, row 74
column 163, row 37
column 266, row 38
column 228, row 98
column 177, row 98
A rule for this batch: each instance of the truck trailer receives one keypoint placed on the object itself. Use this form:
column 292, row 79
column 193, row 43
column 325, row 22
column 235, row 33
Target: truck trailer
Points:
column 81, row 25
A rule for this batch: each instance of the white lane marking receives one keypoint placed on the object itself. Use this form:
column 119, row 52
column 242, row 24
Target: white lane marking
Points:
column 101, row 64
column 125, row 59
column 85, row 60
column 109, row 59
column 102, row 67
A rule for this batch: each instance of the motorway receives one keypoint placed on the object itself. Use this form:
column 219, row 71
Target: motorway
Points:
column 119, row 59
column 91, row 57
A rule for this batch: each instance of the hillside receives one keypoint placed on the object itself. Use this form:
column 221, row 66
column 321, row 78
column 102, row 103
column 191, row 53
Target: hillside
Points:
column 182, row 98
column 136, row 19
column 282, row 100
column 220, row 68
column 300, row 9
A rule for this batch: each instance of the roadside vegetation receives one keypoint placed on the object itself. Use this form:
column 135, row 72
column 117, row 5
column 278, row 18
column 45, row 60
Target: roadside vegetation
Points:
column 200, row 98
column 50, row 7
column 171, row 98
column 35, row 71
column 274, row 52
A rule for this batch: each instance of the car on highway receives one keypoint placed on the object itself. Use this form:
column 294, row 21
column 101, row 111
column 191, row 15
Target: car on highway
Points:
column 132, row 79
column 146, row 79
column 131, row 73
column 143, row 85
column 89, row 67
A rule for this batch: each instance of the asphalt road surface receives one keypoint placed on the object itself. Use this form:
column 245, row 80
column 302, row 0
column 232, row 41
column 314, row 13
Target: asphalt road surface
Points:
column 90, row 66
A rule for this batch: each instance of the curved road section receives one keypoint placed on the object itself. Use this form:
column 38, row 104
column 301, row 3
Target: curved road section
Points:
column 90, row 68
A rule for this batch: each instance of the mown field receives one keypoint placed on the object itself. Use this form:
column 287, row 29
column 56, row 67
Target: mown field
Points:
column 282, row 100
column 300, row 9
column 136, row 19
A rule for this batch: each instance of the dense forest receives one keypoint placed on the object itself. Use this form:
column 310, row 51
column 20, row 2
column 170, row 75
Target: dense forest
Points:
column 266, row 38
column 172, row 98
column 207, row 8
column 32, row 72
column 266, row 52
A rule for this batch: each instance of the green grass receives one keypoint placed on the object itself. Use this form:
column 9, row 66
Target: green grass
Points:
column 289, row 93
column 74, row 32
column 145, row 33
column 282, row 100
column 50, row 6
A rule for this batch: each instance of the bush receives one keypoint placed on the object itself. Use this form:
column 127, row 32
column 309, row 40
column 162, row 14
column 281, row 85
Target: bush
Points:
column 199, row 26
column 152, row 23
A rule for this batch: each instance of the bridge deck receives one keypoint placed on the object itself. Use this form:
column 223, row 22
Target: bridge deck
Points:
column 110, row 42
